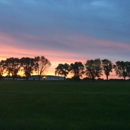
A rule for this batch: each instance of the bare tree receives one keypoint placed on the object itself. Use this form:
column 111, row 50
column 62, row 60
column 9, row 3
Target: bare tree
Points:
column 41, row 64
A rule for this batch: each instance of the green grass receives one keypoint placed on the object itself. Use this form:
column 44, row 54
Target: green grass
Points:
column 64, row 105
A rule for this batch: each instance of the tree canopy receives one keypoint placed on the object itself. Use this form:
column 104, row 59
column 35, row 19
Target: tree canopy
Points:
column 107, row 67
column 77, row 69
column 93, row 68
column 122, row 69
column 11, row 66
column 62, row 69
column 41, row 64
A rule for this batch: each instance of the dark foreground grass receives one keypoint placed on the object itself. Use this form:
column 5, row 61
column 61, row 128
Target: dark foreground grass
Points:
column 64, row 105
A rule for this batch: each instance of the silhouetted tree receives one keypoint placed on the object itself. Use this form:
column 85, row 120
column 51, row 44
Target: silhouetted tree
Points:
column 28, row 65
column 107, row 67
column 41, row 64
column 77, row 69
column 93, row 68
column 128, row 69
column 2, row 68
column 121, row 68
column 62, row 69
column 12, row 66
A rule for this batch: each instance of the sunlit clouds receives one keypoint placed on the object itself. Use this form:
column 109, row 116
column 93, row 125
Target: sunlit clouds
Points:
column 65, row 31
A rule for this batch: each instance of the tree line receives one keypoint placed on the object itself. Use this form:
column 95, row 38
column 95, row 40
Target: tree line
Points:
column 12, row 66
column 94, row 69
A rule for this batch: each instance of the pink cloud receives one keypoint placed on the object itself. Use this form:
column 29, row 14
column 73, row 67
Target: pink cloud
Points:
column 80, row 47
column 86, row 42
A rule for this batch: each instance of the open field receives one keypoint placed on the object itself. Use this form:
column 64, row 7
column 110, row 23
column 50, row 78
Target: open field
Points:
column 63, row 105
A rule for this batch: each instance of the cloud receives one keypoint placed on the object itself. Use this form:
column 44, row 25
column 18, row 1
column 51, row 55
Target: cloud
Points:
column 67, row 30
column 48, row 17
column 78, row 47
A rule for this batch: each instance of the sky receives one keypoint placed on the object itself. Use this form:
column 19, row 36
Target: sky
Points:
column 65, row 31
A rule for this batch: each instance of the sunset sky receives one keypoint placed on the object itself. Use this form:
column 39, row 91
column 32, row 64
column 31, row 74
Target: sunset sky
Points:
column 65, row 30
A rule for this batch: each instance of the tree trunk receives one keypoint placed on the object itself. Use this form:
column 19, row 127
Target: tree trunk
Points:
column 93, row 79
column 26, row 78
column 39, row 77
column 107, row 77
column 13, row 78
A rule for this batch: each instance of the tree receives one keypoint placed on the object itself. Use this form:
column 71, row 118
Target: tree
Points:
column 77, row 69
column 62, row 69
column 93, row 68
column 2, row 68
column 41, row 64
column 128, row 69
column 107, row 67
column 12, row 66
column 121, row 69
column 28, row 65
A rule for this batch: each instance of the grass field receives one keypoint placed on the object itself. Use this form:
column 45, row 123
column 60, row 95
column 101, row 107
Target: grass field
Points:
column 64, row 105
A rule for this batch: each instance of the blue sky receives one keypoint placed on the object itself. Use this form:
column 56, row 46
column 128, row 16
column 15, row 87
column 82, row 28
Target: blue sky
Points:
column 65, row 31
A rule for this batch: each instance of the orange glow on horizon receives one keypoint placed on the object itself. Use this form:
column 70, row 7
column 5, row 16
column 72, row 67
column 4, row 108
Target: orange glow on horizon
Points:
column 9, row 49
